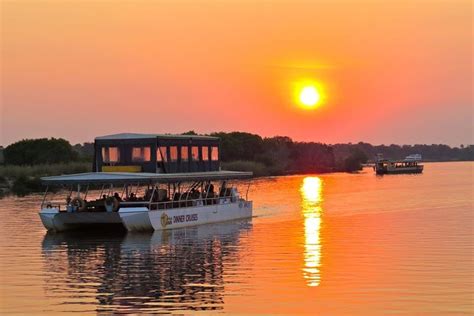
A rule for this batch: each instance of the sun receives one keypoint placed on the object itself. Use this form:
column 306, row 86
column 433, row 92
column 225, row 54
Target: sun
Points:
column 309, row 96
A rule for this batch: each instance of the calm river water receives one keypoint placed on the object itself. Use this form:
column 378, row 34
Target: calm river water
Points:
column 335, row 244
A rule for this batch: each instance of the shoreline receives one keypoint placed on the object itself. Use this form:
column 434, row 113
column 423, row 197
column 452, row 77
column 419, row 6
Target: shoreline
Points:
column 20, row 181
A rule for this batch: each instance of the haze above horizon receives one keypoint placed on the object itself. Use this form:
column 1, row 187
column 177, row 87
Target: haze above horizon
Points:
column 390, row 72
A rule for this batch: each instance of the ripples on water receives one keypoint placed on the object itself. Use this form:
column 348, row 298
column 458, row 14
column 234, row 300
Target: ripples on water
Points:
column 331, row 244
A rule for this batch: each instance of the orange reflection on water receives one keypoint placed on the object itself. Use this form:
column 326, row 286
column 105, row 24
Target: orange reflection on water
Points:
column 311, row 193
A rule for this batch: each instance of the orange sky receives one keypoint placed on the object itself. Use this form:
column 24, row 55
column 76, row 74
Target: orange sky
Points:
column 393, row 71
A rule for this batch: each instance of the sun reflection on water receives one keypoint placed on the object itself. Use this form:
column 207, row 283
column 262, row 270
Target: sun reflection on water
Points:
column 312, row 197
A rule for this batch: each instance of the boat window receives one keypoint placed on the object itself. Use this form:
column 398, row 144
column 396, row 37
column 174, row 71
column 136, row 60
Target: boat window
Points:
column 205, row 153
column 214, row 153
column 140, row 154
column 174, row 153
column 162, row 154
column 184, row 153
column 195, row 153
column 110, row 154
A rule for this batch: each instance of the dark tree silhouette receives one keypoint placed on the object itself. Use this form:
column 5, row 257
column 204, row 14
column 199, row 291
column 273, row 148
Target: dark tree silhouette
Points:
column 39, row 151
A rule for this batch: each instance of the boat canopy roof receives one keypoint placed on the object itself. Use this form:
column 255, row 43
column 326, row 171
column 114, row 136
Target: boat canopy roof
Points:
column 142, row 178
column 124, row 136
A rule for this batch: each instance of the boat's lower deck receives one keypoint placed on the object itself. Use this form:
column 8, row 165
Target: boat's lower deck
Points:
column 143, row 219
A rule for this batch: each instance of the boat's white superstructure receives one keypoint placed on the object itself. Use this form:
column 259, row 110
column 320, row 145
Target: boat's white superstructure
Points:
column 147, row 201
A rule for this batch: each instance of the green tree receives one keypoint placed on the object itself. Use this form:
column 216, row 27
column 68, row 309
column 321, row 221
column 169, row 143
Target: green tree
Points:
column 190, row 133
column 239, row 146
column 355, row 160
column 39, row 151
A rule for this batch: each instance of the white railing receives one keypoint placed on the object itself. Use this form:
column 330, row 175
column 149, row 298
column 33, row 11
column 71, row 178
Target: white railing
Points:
column 181, row 203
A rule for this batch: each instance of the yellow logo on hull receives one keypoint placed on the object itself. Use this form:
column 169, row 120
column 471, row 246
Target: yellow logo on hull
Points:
column 164, row 219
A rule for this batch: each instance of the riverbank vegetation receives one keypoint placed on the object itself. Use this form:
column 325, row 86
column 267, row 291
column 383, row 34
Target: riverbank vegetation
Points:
column 26, row 161
column 281, row 155
column 25, row 179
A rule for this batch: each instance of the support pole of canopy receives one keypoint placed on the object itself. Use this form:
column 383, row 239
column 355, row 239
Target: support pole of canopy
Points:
column 101, row 191
column 247, row 193
column 208, row 187
column 44, row 196
column 111, row 189
column 71, row 188
column 151, row 197
column 123, row 191
column 87, row 191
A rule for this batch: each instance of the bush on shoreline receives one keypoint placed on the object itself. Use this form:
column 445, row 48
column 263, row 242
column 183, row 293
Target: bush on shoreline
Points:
column 25, row 185
column 13, row 171
column 258, row 168
column 39, row 151
column 354, row 161
column 23, row 180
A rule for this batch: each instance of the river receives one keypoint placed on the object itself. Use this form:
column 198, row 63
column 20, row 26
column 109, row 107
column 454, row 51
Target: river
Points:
column 332, row 244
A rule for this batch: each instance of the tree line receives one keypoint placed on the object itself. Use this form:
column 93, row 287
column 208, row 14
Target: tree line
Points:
column 282, row 155
column 265, row 155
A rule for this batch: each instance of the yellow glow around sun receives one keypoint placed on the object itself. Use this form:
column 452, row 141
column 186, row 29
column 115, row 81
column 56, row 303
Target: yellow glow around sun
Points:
column 308, row 94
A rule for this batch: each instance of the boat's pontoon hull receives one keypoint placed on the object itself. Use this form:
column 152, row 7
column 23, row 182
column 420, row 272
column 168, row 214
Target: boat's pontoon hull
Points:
column 62, row 221
column 141, row 219
column 413, row 170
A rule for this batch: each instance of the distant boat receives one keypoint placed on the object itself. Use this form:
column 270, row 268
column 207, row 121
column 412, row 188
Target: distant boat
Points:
column 408, row 165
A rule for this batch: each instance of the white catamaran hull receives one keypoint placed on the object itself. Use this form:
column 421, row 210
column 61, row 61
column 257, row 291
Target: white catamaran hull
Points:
column 141, row 218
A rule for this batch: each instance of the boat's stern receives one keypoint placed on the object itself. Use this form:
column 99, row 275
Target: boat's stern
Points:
column 56, row 220
column 47, row 216
column 420, row 168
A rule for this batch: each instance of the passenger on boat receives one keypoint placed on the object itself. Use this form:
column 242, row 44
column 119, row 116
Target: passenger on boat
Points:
column 132, row 197
column 210, row 194
column 195, row 194
column 117, row 196
column 147, row 195
column 176, row 198
column 224, row 191
column 161, row 196
column 153, row 195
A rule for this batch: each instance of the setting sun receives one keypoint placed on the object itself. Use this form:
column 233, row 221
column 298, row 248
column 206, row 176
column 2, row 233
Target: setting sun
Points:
column 309, row 96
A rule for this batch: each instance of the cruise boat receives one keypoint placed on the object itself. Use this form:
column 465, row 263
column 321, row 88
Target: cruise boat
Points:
column 145, row 182
column 411, row 164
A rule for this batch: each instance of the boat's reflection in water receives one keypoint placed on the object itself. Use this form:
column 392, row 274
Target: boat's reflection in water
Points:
column 311, row 204
column 173, row 270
